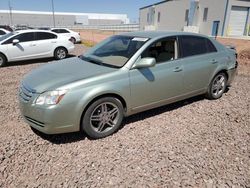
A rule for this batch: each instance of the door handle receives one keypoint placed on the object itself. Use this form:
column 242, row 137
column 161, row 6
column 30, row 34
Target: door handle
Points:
column 177, row 69
column 53, row 42
column 214, row 61
column 33, row 45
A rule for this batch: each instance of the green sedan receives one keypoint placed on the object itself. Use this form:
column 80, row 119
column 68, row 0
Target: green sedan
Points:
column 123, row 75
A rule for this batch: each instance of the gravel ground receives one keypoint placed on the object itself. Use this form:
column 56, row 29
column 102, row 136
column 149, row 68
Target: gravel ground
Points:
column 196, row 142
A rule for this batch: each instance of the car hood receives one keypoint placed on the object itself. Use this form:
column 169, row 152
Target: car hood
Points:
column 57, row 74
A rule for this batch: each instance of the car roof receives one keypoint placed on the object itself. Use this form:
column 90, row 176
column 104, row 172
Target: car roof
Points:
column 159, row 34
column 33, row 30
column 59, row 28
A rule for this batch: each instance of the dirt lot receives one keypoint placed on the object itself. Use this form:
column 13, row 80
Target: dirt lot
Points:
column 196, row 142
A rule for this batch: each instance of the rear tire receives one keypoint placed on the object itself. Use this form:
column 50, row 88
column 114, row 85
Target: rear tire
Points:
column 103, row 117
column 3, row 60
column 217, row 86
column 60, row 53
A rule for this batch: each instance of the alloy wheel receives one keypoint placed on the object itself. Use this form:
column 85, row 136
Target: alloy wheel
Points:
column 218, row 86
column 104, row 117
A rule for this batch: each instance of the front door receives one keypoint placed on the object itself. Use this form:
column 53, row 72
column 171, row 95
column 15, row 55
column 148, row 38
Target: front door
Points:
column 25, row 49
column 164, row 81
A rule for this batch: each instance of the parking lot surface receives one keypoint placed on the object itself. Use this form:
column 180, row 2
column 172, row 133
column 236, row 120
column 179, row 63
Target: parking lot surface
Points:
column 196, row 142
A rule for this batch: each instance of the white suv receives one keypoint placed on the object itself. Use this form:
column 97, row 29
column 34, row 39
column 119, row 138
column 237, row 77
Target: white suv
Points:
column 33, row 44
column 75, row 37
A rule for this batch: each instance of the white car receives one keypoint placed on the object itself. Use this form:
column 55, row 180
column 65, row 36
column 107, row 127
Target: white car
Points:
column 33, row 44
column 75, row 37
column 3, row 32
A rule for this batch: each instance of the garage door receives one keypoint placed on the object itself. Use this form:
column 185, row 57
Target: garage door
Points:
column 237, row 22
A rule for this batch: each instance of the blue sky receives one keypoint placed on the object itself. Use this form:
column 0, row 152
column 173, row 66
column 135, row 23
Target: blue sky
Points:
column 129, row 7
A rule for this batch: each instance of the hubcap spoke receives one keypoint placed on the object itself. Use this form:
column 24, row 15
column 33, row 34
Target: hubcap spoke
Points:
column 96, row 118
column 113, row 112
column 111, row 123
column 100, row 126
column 104, row 108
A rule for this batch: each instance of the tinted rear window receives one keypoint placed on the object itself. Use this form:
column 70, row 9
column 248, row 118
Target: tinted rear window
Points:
column 45, row 36
column 192, row 45
column 2, row 32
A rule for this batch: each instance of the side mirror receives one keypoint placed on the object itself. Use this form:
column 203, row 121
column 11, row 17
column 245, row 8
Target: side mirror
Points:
column 15, row 41
column 144, row 63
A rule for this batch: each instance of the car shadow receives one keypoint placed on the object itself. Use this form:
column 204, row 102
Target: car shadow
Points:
column 160, row 110
column 33, row 61
column 61, row 138
column 78, row 136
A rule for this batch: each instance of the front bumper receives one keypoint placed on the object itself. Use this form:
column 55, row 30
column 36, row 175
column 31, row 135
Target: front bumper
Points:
column 49, row 120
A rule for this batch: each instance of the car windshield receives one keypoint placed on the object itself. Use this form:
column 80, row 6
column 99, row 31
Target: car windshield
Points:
column 114, row 51
column 6, row 36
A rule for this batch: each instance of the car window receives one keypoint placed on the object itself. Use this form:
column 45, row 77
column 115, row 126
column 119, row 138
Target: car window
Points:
column 163, row 50
column 23, row 37
column 2, row 32
column 210, row 47
column 6, row 36
column 115, row 51
column 55, row 30
column 193, row 45
column 119, row 44
column 45, row 36
column 63, row 31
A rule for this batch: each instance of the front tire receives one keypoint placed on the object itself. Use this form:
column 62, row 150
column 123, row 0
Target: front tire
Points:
column 60, row 53
column 217, row 86
column 103, row 117
column 3, row 60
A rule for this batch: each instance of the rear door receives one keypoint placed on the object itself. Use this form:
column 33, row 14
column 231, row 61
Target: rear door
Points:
column 200, row 60
column 45, row 43
column 25, row 49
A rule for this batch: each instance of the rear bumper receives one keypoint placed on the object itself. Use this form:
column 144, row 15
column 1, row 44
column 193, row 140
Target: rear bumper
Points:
column 71, row 49
column 231, row 75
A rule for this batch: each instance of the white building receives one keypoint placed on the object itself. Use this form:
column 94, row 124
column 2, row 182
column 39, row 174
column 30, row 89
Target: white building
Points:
column 209, row 17
column 43, row 19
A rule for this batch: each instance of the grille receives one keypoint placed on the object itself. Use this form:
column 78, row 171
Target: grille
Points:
column 25, row 93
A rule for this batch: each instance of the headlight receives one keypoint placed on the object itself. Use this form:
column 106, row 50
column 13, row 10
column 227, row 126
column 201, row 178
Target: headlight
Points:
column 50, row 97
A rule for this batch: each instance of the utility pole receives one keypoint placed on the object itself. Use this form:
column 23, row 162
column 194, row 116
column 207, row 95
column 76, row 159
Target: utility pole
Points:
column 10, row 9
column 53, row 11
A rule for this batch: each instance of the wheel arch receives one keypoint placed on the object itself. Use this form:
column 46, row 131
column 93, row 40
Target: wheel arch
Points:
column 4, row 56
column 117, row 96
column 61, row 47
column 223, row 70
